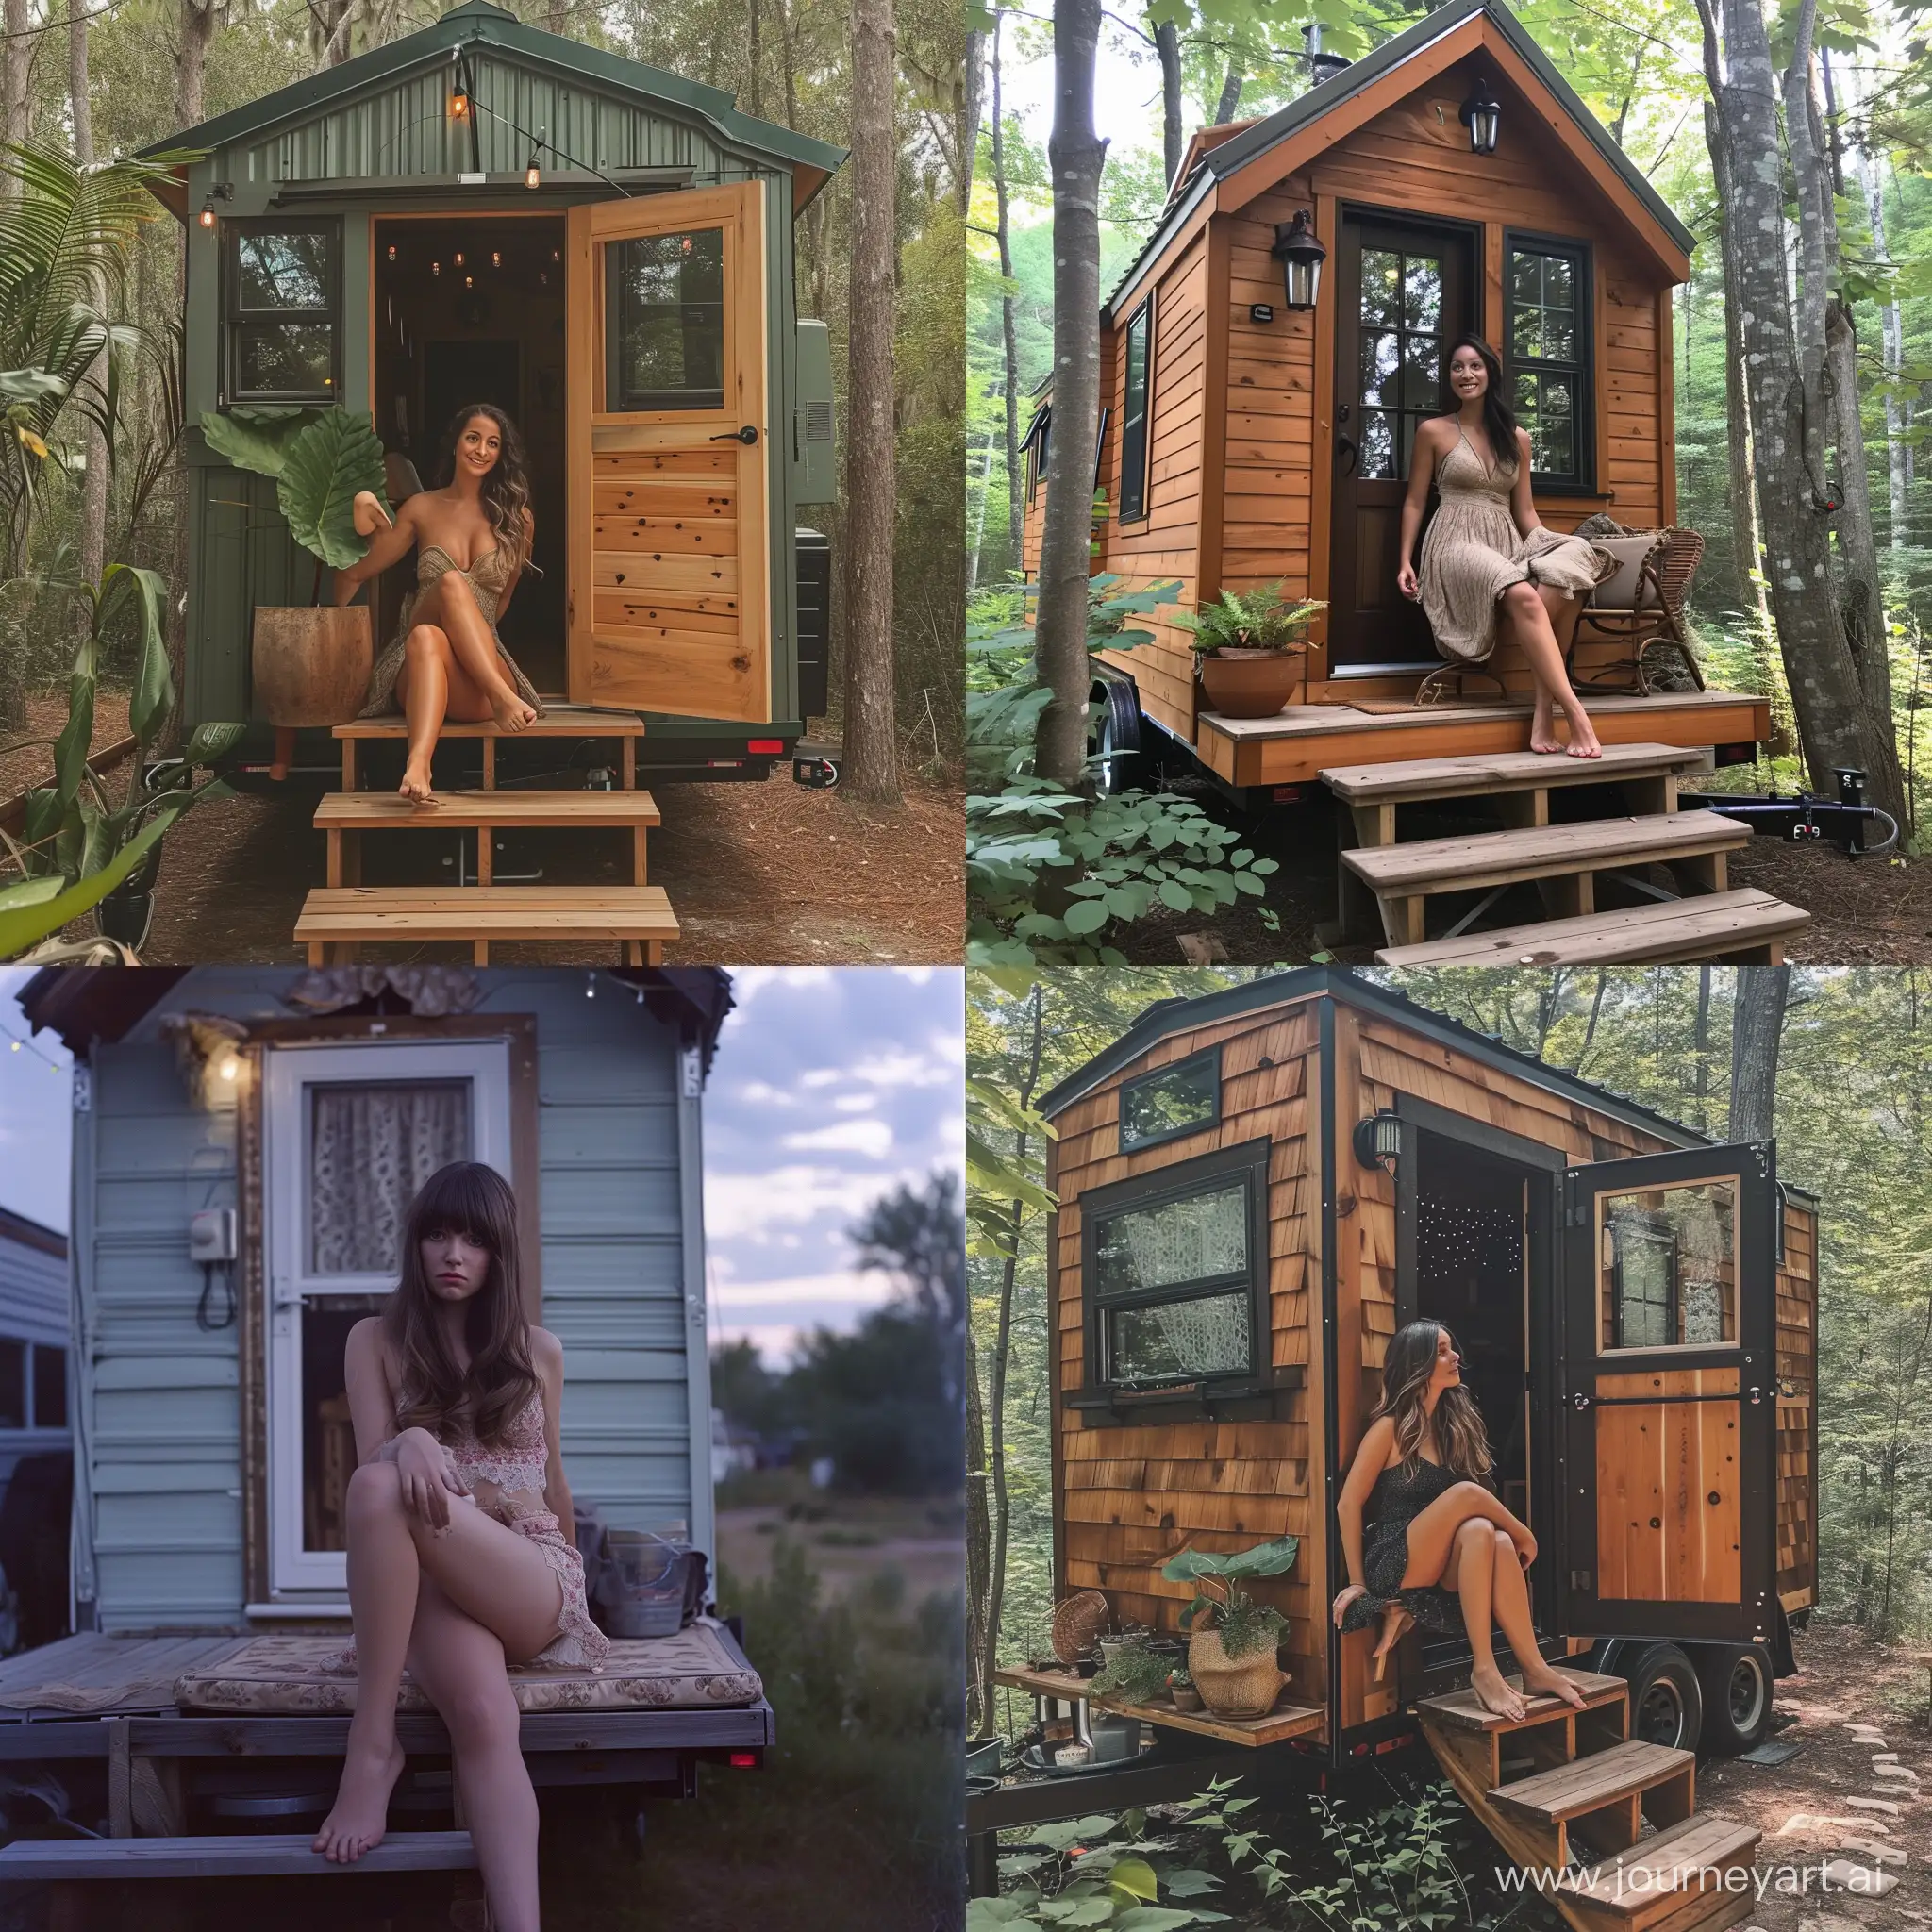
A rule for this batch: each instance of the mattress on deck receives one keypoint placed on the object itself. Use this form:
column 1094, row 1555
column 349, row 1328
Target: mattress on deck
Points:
column 694, row 1670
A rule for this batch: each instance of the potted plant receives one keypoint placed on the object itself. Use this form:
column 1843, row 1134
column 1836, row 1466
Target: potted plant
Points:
column 1250, row 649
column 1182, row 1689
column 1231, row 1653
column 1134, row 1672
column 310, row 662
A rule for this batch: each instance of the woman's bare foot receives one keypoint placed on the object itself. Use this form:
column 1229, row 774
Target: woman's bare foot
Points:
column 1544, row 1682
column 512, row 714
column 1395, row 1621
column 1494, row 1694
column 1542, row 726
column 415, row 785
column 1583, row 739
column 361, row 1810
column 368, row 514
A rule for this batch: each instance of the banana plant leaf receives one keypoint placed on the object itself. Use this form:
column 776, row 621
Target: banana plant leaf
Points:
column 1264, row 1559
column 25, row 925
column 327, row 463
column 153, row 697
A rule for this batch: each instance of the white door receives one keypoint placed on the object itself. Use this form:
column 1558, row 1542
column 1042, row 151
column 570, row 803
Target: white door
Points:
column 350, row 1134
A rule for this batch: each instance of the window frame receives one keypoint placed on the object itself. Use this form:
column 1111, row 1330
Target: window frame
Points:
column 614, row 398
column 1672, row 1310
column 1205, row 1173
column 1581, row 480
column 1173, row 1067
column 1137, row 445
column 1038, row 440
column 233, row 315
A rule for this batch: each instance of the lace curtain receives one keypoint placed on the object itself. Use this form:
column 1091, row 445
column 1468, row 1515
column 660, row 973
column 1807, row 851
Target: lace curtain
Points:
column 1207, row 1335
column 371, row 1148
column 1179, row 1240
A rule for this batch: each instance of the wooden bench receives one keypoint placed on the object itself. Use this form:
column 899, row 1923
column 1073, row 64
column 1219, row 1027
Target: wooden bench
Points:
column 1404, row 877
column 1614, row 1789
column 345, row 815
column 1285, row 1721
column 638, row 918
column 38, row 1861
column 558, row 721
column 1744, row 927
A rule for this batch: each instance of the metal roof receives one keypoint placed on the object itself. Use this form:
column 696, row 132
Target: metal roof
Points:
column 480, row 23
column 1229, row 156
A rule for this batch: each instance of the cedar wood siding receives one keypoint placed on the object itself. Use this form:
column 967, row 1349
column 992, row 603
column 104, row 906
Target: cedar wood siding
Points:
column 1798, row 1410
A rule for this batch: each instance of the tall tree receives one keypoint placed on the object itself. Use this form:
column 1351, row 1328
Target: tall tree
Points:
column 93, row 495
column 871, row 748
column 16, row 67
column 195, row 29
column 1230, row 93
column 1167, row 47
column 1016, row 508
column 1757, row 1025
column 1892, row 351
column 1076, row 154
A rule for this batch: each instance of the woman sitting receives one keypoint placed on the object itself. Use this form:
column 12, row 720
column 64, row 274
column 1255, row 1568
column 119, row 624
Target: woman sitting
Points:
column 1441, row 1551
column 1487, row 558
column 472, row 538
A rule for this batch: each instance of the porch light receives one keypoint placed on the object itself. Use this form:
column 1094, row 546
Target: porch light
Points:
column 531, row 177
column 1379, row 1140
column 1300, row 257
column 1482, row 114
column 207, row 217
column 230, row 1068
column 459, row 105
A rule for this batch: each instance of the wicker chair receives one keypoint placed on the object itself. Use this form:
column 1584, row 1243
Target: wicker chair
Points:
column 1655, row 617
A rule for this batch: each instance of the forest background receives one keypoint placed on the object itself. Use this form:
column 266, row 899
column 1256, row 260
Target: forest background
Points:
column 1835, row 1063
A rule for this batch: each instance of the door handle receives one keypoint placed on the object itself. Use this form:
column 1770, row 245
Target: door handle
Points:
column 1345, row 446
column 746, row 436
column 1580, row 1400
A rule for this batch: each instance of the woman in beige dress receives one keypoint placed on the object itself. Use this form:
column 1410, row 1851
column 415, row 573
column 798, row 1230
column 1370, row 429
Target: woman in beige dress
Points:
column 1487, row 559
column 472, row 538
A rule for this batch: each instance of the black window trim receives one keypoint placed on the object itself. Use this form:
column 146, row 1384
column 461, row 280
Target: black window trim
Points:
column 1145, row 457
column 1213, row 1120
column 1582, row 481
column 1203, row 1174
column 233, row 314
column 1035, row 447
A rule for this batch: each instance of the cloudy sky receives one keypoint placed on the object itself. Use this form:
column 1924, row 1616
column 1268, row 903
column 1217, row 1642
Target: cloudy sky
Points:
column 34, row 1106
column 831, row 1087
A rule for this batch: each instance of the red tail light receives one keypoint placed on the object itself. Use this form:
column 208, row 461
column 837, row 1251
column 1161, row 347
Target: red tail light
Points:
column 744, row 1760
column 771, row 747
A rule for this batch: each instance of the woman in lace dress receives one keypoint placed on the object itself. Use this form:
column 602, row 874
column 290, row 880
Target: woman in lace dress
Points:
column 472, row 538
column 1487, row 561
column 1440, row 1549
column 460, row 1554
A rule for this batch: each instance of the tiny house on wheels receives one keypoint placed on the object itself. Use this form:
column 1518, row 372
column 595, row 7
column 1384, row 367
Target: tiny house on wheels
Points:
column 1257, row 1189
column 246, row 1143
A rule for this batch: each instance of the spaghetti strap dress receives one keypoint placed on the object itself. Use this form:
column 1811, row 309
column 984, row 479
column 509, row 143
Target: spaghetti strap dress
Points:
column 1473, row 552
column 486, row 577
column 1400, row 1495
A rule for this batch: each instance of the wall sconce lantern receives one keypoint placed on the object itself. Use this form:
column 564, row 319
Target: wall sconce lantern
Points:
column 221, row 190
column 1482, row 114
column 1300, row 257
column 1379, row 1140
column 459, row 103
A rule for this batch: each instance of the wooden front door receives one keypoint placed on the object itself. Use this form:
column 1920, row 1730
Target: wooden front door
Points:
column 1670, row 1396
column 1403, row 291
column 668, row 600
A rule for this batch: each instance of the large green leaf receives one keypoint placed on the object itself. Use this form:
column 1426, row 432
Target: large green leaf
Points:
column 153, row 697
column 1264, row 1559
column 210, row 742
column 326, row 464
column 77, row 735
column 21, row 926
column 256, row 439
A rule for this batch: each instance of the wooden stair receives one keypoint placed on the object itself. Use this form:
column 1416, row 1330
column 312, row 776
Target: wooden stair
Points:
column 1536, row 1780
column 336, row 919
column 1381, row 874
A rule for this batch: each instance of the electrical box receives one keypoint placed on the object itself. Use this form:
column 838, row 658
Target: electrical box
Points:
column 211, row 1235
column 814, row 464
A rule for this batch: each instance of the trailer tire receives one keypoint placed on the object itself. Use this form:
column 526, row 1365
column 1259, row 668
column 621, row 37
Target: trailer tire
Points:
column 1118, row 737
column 1735, row 1682
column 1666, row 1699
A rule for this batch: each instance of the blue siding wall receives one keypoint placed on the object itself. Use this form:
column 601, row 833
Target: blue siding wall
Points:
column 162, row 1426
column 33, row 1308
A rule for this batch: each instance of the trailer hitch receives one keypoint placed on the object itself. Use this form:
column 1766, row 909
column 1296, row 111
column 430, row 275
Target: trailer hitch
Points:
column 1803, row 817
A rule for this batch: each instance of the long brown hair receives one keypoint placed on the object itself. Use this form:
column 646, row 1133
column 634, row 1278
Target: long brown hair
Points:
column 472, row 1200
column 507, row 486
column 1461, row 1441
column 1499, row 418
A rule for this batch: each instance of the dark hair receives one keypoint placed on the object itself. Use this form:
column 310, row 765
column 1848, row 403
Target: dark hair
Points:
column 472, row 1200
column 1461, row 1441
column 505, row 488
column 1499, row 418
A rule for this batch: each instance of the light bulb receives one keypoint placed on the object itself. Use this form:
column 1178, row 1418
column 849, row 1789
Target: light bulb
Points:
column 230, row 1068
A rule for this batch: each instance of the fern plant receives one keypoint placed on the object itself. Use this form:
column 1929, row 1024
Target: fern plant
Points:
column 1262, row 619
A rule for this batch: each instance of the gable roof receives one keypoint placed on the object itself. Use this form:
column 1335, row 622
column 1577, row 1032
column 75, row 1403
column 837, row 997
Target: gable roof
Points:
column 1468, row 21
column 479, row 23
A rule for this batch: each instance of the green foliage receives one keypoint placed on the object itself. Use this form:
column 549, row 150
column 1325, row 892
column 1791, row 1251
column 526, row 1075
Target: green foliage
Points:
column 1245, row 1626
column 257, row 438
column 1263, row 620
column 1135, row 1673
column 325, row 464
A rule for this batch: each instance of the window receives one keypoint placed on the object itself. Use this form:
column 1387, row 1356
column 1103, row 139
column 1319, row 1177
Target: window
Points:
column 1039, row 439
column 1180, row 1099
column 283, row 306
column 1175, row 1265
column 12, row 1384
column 1546, row 344
column 1401, row 337
column 1670, row 1271
column 664, row 322
column 50, row 1386
column 1134, row 415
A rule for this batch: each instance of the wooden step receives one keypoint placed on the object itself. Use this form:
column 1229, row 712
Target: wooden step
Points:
column 1651, row 1883
column 1462, row 1710
column 638, row 917
column 41, row 1860
column 1405, row 780
column 1614, row 1790
column 1710, row 925
column 372, row 812
column 1403, row 876
column 558, row 721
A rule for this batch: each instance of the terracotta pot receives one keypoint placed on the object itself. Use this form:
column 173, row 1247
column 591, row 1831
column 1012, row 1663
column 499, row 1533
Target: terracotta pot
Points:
column 311, row 663
column 1249, row 684
column 1185, row 1697
column 1243, row 1687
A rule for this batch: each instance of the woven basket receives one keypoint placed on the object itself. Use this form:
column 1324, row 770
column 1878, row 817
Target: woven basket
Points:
column 1077, row 1620
column 1245, row 1687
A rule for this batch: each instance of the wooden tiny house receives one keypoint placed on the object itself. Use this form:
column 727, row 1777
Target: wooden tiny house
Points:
column 1636, row 1306
column 1243, row 443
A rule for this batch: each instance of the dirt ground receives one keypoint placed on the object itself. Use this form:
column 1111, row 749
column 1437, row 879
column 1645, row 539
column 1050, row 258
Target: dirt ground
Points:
column 33, row 764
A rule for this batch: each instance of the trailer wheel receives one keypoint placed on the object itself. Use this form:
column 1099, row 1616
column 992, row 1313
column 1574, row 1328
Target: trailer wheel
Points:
column 1666, row 1699
column 1736, row 1681
column 1117, row 739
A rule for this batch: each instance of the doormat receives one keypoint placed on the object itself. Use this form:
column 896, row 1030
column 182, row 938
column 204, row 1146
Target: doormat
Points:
column 1770, row 1752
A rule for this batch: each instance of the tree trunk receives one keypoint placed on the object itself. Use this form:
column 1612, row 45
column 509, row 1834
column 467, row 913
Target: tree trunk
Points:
column 1075, row 154
column 1892, row 347
column 871, row 748
column 197, row 28
column 972, row 106
column 1701, row 1052
column 557, row 16
column 1230, row 94
column 16, row 56
column 1757, row 1022
column 980, row 1644
column 753, row 97
column 785, row 24
column 1016, row 502
column 93, row 495
column 1167, row 44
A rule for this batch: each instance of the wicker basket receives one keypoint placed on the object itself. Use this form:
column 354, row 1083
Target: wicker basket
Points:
column 1243, row 1687
column 1077, row 1620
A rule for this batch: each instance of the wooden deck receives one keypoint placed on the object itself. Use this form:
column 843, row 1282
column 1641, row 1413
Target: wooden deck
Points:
column 1297, row 743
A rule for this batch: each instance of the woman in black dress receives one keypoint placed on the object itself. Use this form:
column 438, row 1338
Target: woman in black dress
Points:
column 1441, row 1550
